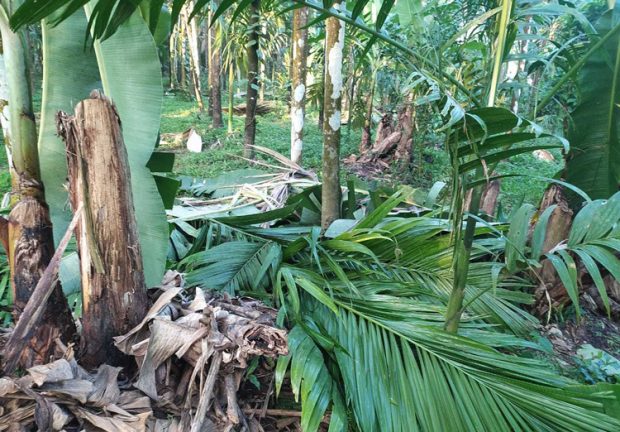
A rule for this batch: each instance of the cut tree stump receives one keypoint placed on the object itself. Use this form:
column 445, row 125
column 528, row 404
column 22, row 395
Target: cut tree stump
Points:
column 113, row 287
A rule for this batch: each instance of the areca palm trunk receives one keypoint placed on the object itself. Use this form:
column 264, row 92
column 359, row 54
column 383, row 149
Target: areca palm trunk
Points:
column 252, row 90
column 298, row 75
column 215, row 81
column 28, row 234
column 194, row 54
column 231, row 96
column 174, row 61
column 332, row 105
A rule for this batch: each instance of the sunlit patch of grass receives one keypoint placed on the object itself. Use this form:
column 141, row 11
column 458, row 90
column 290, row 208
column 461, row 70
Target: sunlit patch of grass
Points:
column 223, row 152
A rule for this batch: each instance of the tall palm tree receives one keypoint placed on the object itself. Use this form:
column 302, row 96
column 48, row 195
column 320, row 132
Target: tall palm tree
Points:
column 332, row 100
column 299, row 47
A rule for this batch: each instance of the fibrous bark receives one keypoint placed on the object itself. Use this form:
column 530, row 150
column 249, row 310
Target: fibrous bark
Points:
column 252, row 90
column 488, row 201
column 332, row 100
column 113, row 287
column 43, row 300
column 298, row 84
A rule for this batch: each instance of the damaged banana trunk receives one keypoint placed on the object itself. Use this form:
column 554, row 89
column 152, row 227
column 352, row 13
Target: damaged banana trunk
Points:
column 113, row 286
column 27, row 235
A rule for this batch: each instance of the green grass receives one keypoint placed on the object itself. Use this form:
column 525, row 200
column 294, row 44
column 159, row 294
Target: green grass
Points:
column 222, row 152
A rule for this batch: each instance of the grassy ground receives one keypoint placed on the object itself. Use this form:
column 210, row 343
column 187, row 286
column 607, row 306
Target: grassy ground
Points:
column 222, row 152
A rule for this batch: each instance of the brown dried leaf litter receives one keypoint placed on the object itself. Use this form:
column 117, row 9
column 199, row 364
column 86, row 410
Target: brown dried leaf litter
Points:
column 192, row 354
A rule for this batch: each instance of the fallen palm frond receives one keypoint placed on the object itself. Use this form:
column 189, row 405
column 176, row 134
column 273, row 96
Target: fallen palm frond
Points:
column 192, row 353
column 243, row 192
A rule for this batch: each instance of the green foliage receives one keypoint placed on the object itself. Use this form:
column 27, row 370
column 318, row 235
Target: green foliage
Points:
column 367, row 310
column 233, row 267
column 594, row 162
column 5, row 292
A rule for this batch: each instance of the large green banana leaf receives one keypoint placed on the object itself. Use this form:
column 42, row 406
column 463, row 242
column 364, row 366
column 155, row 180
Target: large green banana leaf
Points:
column 594, row 162
column 127, row 67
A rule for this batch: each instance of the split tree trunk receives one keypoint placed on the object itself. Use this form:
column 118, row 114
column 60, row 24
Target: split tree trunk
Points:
column 332, row 102
column 252, row 91
column 113, row 287
column 406, row 124
column 488, row 200
column 298, row 75
column 215, row 81
column 28, row 234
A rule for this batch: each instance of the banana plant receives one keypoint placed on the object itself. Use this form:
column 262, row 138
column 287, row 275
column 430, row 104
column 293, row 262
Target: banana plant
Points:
column 127, row 67
column 594, row 162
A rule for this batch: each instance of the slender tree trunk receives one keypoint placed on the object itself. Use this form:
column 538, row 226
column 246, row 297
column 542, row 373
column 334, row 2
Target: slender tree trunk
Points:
column 231, row 96
column 367, row 128
column 174, row 58
column 113, row 287
column 191, row 29
column 298, row 75
column 252, row 91
column 182, row 54
column 332, row 101
column 262, row 67
column 210, row 37
column 204, row 38
column 215, row 79
column 28, row 233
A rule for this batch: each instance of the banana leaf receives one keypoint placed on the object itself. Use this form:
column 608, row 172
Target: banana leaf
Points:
column 594, row 161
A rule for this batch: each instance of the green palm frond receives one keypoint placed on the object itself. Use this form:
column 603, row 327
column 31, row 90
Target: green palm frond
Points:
column 418, row 252
column 234, row 267
column 403, row 372
column 312, row 382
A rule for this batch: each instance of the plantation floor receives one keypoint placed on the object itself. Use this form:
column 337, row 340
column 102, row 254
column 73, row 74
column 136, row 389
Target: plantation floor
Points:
column 222, row 152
